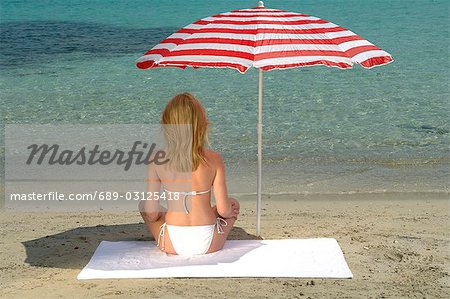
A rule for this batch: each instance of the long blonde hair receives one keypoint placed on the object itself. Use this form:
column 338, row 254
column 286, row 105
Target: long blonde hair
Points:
column 186, row 132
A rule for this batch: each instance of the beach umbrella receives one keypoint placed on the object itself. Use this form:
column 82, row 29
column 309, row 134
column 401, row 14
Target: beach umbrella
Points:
column 266, row 39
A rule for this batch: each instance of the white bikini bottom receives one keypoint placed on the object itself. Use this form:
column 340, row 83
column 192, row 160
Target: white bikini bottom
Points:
column 190, row 240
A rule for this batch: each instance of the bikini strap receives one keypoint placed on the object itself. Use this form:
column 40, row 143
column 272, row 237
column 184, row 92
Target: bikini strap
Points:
column 161, row 235
column 186, row 194
column 219, row 223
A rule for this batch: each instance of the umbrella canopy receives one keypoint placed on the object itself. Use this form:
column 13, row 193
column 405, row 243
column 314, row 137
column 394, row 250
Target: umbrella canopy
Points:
column 266, row 39
column 263, row 38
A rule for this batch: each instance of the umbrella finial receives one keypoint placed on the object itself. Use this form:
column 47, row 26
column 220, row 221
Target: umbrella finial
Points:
column 260, row 4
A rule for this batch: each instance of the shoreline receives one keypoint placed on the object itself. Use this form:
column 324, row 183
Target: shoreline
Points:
column 285, row 198
column 316, row 177
column 268, row 195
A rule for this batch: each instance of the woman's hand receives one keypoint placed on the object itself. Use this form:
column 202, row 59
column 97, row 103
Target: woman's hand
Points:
column 234, row 208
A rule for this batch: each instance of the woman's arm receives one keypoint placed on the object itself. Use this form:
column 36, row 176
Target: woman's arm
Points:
column 152, row 207
column 223, row 204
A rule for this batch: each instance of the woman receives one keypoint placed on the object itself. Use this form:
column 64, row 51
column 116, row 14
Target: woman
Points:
column 189, row 225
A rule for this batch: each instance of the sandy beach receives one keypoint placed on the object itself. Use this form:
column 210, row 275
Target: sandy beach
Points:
column 396, row 244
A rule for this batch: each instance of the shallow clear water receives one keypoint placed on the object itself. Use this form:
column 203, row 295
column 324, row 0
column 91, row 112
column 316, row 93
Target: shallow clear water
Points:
column 325, row 130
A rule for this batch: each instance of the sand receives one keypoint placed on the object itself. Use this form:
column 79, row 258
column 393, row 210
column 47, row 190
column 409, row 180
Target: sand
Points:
column 396, row 244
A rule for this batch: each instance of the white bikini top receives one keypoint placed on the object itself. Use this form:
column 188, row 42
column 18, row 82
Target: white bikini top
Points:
column 186, row 194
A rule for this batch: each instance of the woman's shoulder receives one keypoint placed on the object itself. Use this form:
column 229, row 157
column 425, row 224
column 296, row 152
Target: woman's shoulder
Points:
column 214, row 157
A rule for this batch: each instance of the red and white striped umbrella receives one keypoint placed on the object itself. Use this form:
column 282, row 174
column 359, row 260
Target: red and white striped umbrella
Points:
column 266, row 39
column 263, row 38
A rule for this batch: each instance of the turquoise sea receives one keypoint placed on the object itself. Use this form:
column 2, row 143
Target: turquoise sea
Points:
column 325, row 130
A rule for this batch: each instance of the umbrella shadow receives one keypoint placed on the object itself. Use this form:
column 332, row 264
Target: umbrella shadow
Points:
column 72, row 249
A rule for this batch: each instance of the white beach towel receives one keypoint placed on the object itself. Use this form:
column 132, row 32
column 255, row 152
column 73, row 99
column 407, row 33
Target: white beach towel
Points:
column 308, row 258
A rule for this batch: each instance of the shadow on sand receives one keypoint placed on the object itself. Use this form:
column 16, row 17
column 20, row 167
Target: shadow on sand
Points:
column 72, row 249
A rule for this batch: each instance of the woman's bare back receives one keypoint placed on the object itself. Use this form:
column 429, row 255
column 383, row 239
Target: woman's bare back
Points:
column 199, row 206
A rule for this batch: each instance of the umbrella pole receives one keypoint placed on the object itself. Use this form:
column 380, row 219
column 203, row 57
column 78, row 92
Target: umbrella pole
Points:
column 258, row 203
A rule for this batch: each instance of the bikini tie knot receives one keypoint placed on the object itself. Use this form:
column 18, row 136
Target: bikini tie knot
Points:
column 219, row 223
column 161, row 235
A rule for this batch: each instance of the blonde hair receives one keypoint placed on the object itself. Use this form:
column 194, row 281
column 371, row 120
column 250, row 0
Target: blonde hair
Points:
column 185, row 128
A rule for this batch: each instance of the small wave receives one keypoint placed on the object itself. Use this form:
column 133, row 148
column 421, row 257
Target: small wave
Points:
column 425, row 129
